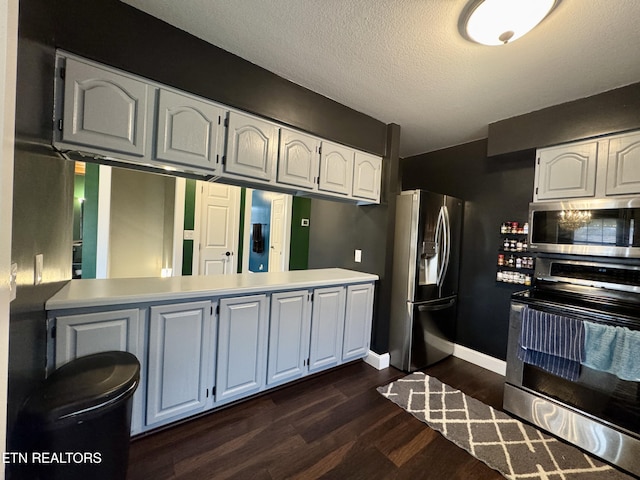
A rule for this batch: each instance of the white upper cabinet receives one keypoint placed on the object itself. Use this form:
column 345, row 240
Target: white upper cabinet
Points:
column 104, row 109
column 120, row 118
column 623, row 166
column 252, row 147
column 566, row 171
column 367, row 170
column 188, row 130
column 336, row 168
column 298, row 159
column 599, row 168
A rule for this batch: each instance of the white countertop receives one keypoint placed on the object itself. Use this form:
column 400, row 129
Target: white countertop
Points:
column 104, row 292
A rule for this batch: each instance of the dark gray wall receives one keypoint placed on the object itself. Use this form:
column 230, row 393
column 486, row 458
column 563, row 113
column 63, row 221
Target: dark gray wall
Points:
column 42, row 208
column 494, row 190
column 116, row 34
column 495, row 176
column 338, row 229
column 609, row 112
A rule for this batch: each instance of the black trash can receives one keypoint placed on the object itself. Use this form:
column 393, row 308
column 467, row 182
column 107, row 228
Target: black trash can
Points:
column 79, row 420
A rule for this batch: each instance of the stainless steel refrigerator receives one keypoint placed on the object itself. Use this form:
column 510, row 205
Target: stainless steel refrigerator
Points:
column 424, row 293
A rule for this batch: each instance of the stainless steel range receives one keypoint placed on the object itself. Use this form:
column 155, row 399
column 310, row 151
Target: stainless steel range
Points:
column 569, row 380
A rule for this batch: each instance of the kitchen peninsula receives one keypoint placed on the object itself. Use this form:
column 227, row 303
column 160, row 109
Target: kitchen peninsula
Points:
column 204, row 341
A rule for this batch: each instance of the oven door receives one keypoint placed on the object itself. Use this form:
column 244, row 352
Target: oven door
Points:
column 598, row 412
column 593, row 227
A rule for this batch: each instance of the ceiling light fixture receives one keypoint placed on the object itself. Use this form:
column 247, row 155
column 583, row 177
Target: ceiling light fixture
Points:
column 496, row 22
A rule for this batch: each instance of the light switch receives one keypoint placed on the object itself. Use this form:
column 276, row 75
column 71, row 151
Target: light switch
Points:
column 37, row 274
column 13, row 285
column 358, row 256
column 187, row 235
column 304, row 222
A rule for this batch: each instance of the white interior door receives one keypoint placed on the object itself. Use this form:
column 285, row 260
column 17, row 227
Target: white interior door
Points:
column 218, row 238
column 280, row 232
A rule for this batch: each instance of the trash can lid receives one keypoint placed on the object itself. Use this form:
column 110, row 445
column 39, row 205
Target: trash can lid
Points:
column 85, row 386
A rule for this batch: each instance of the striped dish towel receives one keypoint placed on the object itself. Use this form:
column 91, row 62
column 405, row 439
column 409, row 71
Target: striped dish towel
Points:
column 552, row 342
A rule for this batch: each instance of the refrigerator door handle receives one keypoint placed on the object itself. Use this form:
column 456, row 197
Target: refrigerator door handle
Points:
column 447, row 242
column 442, row 240
column 436, row 307
column 439, row 245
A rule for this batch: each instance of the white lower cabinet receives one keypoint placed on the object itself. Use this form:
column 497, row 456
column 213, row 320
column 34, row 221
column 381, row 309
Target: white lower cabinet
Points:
column 178, row 381
column 288, row 336
column 307, row 338
column 193, row 359
column 327, row 326
column 242, row 346
column 89, row 333
column 357, row 324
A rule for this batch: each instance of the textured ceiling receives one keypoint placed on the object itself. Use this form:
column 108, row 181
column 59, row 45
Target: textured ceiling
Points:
column 404, row 61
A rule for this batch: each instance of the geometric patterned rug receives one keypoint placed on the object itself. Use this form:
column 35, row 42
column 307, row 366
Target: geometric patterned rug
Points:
column 515, row 449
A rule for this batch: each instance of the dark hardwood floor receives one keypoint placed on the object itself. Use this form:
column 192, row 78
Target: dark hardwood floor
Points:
column 333, row 426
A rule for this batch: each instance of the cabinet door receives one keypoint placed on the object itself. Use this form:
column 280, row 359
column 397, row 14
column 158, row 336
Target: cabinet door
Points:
column 357, row 321
column 367, row 171
column 85, row 334
column 104, row 109
column 252, row 147
column 567, row 171
column 242, row 346
column 336, row 168
column 179, row 356
column 327, row 327
column 298, row 159
column 623, row 166
column 187, row 130
column 288, row 336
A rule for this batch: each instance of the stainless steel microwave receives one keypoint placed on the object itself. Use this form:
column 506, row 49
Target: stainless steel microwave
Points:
column 586, row 227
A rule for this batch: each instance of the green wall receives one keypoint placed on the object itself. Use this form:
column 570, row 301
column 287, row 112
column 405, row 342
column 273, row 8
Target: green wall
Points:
column 301, row 208
column 78, row 194
column 90, row 220
column 189, row 223
column 243, row 202
column 299, row 255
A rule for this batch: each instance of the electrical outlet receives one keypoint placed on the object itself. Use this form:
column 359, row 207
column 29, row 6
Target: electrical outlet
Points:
column 358, row 256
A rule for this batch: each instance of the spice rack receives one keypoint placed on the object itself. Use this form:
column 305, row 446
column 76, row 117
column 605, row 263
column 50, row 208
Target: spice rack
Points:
column 515, row 263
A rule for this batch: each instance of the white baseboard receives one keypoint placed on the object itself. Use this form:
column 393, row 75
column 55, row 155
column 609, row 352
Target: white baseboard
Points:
column 381, row 361
column 481, row 359
column 377, row 361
